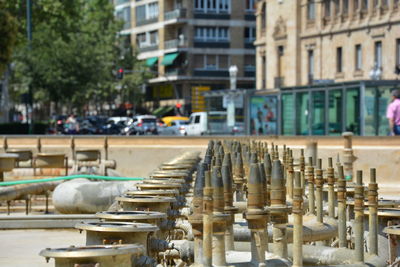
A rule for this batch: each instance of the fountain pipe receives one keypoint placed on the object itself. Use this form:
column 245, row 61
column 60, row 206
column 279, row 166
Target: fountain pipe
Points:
column 319, row 182
column 298, row 221
column 342, row 208
column 359, row 218
column 228, row 208
column 207, row 220
column 278, row 210
column 331, row 188
column 256, row 216
column 310, row 181
column 219, row 218
column 373, row 213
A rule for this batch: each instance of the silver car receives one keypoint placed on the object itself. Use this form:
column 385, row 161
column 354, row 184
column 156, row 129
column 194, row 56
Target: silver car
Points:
column 177, row 127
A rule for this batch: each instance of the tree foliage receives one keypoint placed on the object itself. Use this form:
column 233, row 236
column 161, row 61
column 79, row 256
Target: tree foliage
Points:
column 74, row 52
column 8, row 34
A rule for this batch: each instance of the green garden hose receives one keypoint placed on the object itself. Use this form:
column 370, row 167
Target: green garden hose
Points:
column 70, row 177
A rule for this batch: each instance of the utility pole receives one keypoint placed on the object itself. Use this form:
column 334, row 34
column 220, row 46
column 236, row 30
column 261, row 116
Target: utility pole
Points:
column 29, row 112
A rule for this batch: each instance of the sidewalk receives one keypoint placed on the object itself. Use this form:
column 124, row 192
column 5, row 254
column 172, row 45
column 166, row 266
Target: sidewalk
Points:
column 20, row 248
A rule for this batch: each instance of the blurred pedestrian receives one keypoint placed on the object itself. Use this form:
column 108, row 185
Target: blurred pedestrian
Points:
column 72, row 124
column 393, row 113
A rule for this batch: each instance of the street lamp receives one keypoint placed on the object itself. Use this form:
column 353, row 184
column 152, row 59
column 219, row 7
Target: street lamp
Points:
column 233, row 71
column 376, row 72
column 230, row 107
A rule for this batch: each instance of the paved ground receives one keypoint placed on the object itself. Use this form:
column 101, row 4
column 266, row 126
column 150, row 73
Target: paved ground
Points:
column 20, row 248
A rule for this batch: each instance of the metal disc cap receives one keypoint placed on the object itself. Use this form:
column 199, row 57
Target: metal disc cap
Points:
column 116, row 227
column 386, row 212
column 148, row 199
column 131, row 215
column 164, row 180
column 92, row 251
column 171, row 192
column 181, row 175
column 392, row 230
column 159, row 185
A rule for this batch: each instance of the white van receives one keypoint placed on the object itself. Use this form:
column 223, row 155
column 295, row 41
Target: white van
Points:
column 197, row 124
column 214, row 122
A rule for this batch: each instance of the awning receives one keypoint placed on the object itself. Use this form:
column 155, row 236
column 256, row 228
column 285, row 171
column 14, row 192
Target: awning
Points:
column 169, row 59
column 151, row 61
column 162, row 110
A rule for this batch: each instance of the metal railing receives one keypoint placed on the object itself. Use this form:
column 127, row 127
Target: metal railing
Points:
column 175, row 43
column 150, row 47
column 175, row 14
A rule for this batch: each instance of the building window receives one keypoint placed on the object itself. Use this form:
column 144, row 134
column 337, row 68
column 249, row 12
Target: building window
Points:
column 339, row 62
column 327, row 8
column 223, row 62
column 337, row 8
column 356, row 5
column 147, row 39
column 281, row 50
column 345, row 7
column 211, row 62
column 211, row 34
column 365, row 4
column 249, row 63
column 198, row 61
column 250, row 5
column 249, row 34
column 212, row 6
column 358, row 58
column 125, row 15
column 146, row 12
column 311, row 10
column 310, row 66
column 378, row 54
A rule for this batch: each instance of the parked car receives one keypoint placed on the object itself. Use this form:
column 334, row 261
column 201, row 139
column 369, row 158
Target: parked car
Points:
column 177, row 127
column 140, row 125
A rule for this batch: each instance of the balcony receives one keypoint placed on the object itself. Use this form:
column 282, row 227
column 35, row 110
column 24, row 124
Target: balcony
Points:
column 211, row 73
column 148, row 47
column 211, row 43
column 175, row 14
column 174, row 44
column 249, row 71
column 198, row 14
column 174, row 71
column 146, row 21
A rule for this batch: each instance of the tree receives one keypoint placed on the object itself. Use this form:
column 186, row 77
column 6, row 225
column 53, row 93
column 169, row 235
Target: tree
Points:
column 136, row 73
column 74, row 53
column 8, row 34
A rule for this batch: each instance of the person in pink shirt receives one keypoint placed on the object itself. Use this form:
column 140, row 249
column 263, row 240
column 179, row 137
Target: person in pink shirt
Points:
column 393, row 113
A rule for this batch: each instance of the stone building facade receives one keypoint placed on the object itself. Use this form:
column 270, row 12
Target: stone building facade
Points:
column 302, row 42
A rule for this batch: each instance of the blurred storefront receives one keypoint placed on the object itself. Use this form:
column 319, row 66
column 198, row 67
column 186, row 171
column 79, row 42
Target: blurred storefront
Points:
column 325, row 109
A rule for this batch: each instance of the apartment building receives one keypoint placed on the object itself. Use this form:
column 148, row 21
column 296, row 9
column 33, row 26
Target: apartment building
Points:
column 305, row 42
column 189, row 45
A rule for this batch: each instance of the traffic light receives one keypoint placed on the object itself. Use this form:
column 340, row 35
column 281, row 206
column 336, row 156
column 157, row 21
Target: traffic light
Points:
column 120, row 73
